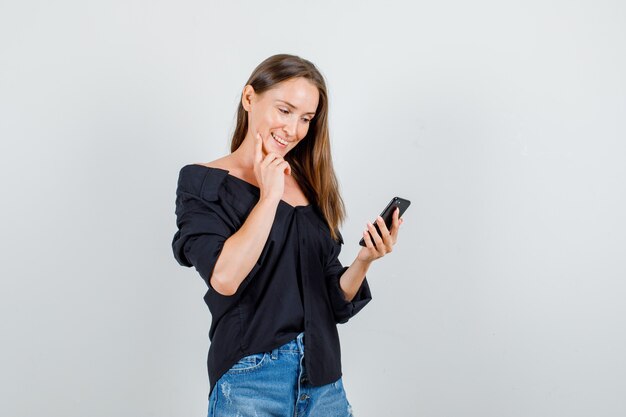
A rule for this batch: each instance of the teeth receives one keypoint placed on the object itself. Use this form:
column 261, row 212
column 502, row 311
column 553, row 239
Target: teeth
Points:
column 279, row 139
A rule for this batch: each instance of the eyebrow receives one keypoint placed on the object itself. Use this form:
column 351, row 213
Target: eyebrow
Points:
column 294, row 107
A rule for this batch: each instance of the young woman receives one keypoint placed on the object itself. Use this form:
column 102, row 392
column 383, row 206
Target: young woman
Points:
column 261, row 227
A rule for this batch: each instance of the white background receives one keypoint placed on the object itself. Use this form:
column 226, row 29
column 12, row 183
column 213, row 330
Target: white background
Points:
column 502, row 122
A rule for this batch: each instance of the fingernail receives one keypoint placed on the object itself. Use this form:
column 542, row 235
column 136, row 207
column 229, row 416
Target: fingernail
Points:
column 379, row 218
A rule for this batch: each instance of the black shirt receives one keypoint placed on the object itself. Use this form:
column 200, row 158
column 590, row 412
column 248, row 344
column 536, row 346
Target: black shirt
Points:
column 293, row 287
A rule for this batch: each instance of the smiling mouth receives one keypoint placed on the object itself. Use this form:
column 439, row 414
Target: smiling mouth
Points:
column 280, row 141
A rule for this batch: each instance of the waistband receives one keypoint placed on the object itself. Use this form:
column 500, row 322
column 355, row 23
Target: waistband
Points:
column 295, row 345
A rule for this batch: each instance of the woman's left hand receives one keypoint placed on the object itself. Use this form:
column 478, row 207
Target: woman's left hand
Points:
column 385, row 243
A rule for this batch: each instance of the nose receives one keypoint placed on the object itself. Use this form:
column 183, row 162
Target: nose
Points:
column 291, row 127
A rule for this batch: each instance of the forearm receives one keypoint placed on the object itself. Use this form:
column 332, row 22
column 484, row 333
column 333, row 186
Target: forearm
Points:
column 353, row 277
column 242, row 250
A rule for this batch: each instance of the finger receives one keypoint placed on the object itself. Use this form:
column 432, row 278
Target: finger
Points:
column 377, row 239
column 368, row 241
column 287, row 168
column 269, row 158
column 276, row 162
column 382, row 226
column 395, row 224
column 386, row 236
column 282, row 166
column 258, row 149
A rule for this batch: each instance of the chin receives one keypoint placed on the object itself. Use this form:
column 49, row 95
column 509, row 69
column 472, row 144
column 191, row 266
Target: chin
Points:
column 272, row 147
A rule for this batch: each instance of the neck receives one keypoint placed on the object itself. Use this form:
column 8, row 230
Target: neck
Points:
column 244, row 155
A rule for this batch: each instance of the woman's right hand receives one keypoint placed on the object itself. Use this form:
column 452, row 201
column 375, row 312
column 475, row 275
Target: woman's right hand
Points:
column 270, row 172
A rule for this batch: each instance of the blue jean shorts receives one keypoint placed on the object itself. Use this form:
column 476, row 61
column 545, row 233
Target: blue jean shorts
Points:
column 275, row 384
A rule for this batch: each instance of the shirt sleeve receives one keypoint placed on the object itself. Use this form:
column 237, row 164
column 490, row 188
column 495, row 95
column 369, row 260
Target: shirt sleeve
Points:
column 343, row 309
column 202, row 229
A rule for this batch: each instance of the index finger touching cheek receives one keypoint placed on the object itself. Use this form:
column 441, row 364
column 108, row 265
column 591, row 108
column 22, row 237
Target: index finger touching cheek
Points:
column 258, row 148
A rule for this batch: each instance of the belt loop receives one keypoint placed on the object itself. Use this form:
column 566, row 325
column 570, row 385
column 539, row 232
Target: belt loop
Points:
column 275, row 354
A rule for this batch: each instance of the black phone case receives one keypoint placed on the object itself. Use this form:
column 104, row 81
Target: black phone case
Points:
column 387, row 215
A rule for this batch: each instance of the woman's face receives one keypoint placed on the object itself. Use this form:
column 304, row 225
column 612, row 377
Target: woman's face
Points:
column 281, row 114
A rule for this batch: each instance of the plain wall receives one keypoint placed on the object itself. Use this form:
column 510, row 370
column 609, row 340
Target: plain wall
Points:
column 502, row 122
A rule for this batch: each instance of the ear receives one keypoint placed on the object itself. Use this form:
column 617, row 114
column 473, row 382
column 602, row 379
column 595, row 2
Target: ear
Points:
column 247, row 96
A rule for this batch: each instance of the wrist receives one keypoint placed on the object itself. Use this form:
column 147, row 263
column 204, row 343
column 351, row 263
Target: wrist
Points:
column 361, row 263
column 269, row 201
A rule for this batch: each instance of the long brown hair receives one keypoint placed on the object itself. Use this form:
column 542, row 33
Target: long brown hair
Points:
column 311, row 162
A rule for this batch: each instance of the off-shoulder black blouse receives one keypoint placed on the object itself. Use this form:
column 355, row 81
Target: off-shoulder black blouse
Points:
column 293, row 287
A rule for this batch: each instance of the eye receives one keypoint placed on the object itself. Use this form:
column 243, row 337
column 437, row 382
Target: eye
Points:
column 307, row 120
column 283, row 111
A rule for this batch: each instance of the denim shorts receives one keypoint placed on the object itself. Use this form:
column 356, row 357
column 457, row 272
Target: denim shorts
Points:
column 275, row 384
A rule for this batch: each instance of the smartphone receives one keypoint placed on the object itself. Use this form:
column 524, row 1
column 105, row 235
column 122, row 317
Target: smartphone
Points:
column 387, row 215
